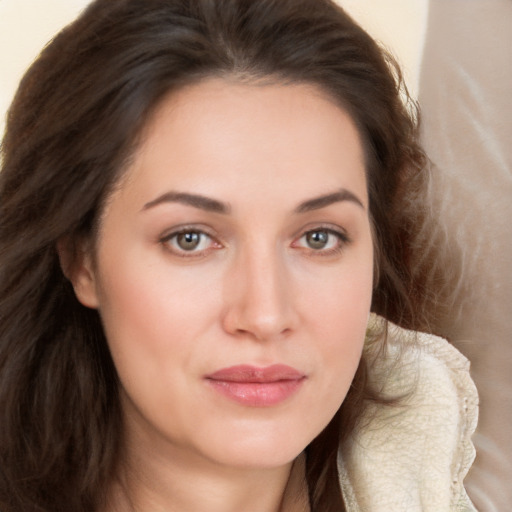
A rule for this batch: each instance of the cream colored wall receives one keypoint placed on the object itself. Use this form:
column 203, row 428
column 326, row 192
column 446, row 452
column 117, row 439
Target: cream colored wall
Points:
column 26, row 25
column 398, row 24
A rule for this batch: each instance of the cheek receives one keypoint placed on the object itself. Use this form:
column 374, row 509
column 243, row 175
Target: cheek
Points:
column 152, row 325
column 339, row 300
column 338, row 316
column 156, row 320
column 141, row 291
column 149, row 330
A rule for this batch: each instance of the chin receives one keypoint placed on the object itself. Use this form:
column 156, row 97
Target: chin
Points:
column 259, row 457
column 261, row 446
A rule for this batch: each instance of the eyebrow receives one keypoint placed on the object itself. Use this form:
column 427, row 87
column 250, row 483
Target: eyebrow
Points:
column 326, row 200
column 213, row 205
column 197, row 201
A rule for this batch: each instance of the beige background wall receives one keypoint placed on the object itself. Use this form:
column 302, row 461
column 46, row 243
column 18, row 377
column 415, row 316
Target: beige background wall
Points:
column 26, row 26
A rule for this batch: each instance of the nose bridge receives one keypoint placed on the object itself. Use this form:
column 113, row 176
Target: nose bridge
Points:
column 260, row 302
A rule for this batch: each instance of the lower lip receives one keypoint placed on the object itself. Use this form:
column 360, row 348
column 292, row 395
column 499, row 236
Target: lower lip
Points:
column 258, row 394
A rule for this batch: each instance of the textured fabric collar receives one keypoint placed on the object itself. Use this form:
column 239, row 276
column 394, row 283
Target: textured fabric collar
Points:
column 413, row 456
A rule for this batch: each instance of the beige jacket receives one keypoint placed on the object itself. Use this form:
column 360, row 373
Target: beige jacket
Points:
column 413, row 457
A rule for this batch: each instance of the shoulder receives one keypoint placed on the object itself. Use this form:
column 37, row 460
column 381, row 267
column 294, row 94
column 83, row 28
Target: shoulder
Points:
column 414, row 455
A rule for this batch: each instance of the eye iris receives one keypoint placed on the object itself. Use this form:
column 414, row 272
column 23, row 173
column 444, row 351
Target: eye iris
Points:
column 317, row 239
column 188, row 241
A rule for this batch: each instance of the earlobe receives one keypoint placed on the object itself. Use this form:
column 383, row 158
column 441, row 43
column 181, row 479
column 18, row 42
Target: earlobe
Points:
column 77, row 265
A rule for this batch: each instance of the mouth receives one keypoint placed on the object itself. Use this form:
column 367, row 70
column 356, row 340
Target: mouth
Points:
column 257, row 387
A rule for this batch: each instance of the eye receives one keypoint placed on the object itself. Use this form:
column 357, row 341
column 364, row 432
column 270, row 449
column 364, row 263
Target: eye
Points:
column 189, row 242
column 319, row 239
column 322, row 240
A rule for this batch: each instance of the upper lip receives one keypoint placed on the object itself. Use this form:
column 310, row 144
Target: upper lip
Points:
column 248, row 373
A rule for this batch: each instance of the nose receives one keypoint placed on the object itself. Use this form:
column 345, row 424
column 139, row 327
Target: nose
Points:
column 259, row 298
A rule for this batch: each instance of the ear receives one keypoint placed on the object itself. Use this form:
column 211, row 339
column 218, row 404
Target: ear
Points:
column 77, row 265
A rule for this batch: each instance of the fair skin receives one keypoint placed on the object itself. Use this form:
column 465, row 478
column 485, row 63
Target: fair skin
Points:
column 238, row 236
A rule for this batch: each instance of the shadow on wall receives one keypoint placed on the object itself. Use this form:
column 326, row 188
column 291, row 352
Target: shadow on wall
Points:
column 464, row 93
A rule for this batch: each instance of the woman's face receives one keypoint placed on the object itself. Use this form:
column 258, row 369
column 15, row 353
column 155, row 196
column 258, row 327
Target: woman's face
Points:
column 233, row 273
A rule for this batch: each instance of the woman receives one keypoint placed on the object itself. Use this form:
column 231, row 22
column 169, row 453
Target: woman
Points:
column 201, row 203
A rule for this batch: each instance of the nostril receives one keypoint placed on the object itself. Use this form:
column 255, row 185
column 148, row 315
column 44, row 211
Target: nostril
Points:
column 263, row 326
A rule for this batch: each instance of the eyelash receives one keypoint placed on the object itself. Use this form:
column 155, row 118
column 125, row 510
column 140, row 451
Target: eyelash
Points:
column 342, row 240
column 169, row 241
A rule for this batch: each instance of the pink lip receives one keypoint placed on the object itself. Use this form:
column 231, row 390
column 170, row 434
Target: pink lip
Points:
column 257, row 387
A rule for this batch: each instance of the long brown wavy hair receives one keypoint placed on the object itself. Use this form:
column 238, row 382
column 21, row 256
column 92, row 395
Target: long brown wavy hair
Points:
column 71, row 129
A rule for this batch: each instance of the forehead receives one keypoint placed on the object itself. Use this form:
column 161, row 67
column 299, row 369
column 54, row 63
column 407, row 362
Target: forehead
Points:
column 221, row 137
